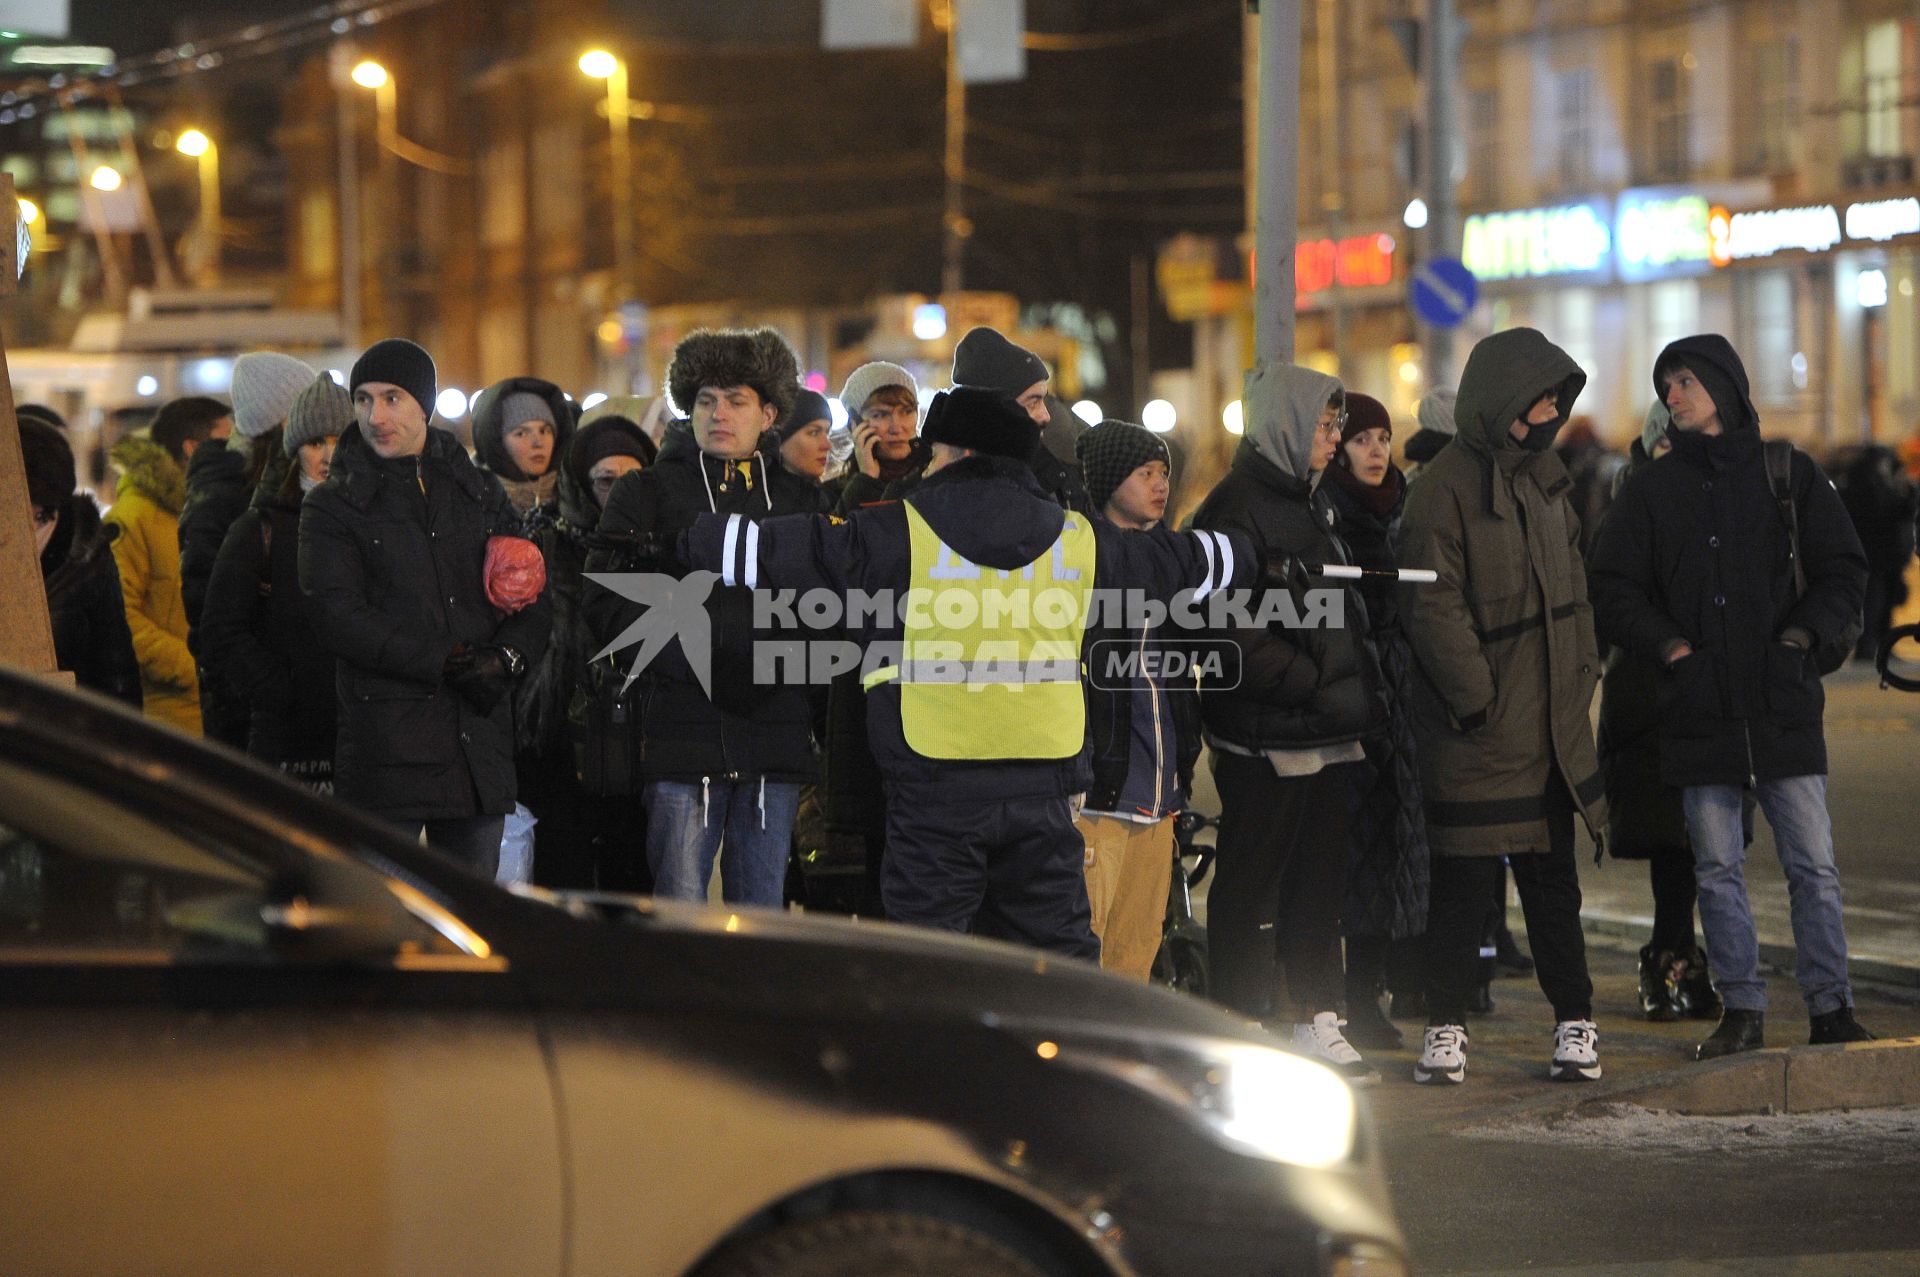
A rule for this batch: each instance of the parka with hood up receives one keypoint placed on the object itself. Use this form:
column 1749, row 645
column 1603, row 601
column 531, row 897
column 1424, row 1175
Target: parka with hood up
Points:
column 1505, row 657
column 540, row 698
column 1695, row 549
column 1299, row 688
column 146, row 510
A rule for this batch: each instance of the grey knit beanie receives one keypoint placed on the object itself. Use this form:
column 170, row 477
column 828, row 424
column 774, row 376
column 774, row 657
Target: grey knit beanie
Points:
column 1654, row 429
column 878, row 375
column 265, row 384
column 523, row 406
column 323, row 408
column 1436, row 411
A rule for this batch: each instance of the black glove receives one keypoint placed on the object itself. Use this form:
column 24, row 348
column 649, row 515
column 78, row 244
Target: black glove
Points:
column 1285, row 572
column 479, row 674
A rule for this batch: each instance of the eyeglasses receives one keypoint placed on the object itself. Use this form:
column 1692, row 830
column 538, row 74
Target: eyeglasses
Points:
column 1335, row 426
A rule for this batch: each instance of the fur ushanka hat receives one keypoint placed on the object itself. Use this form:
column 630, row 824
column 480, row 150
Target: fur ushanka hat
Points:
column 756, row 357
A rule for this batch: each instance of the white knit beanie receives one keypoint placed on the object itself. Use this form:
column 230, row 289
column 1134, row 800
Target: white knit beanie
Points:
column 867, row 378
column 265, row 384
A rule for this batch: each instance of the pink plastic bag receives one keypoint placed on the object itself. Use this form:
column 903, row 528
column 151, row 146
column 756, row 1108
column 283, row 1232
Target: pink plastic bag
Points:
column 515, row 573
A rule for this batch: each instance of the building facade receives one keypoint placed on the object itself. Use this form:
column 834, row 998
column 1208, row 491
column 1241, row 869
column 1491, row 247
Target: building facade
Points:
column 1632, row 171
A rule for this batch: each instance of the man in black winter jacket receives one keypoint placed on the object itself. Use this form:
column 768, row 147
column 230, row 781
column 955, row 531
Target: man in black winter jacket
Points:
column 1286, row 737
column 1694, row 571
column 727, row 769
column 393, row 552
column 978, row 724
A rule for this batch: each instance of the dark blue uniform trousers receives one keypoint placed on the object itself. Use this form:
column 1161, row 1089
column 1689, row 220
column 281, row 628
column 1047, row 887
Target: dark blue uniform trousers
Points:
column 1014, row 870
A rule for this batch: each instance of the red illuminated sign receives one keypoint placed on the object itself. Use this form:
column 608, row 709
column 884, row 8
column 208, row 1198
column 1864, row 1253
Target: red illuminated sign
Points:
column 1360, row 261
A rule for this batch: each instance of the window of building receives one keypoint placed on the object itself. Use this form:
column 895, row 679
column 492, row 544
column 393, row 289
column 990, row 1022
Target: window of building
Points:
column 1773, row 130
column 1870, row 82
column 1669, row 117
column 1573, row 105
column 1766, row 298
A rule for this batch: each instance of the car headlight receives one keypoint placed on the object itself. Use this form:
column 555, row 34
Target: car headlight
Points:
column 1257, row 1099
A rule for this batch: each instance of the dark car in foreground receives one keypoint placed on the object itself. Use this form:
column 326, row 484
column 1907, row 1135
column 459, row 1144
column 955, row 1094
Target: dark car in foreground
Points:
column 245, row 1030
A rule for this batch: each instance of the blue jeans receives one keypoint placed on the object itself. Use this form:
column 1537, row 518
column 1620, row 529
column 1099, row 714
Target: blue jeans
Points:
column 1796, row 808
column 687, row 823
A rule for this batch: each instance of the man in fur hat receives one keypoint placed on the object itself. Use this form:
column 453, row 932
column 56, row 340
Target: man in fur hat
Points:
column 723, row 772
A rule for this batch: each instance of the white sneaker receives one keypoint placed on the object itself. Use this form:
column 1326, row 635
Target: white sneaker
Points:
column 1322, row 1040
column 1576, row 1051
column 1443, row 1055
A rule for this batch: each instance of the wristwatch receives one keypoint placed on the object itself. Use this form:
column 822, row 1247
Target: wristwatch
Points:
column 516, row 663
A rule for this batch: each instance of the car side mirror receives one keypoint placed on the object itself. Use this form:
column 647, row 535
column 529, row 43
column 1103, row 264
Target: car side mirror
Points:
column 334, row 914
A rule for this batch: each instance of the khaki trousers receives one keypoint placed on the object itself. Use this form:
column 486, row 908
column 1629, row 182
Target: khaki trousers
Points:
column 1129, row 869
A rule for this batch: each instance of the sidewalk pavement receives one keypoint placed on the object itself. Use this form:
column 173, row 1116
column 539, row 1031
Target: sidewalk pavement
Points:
column 1650, row 1065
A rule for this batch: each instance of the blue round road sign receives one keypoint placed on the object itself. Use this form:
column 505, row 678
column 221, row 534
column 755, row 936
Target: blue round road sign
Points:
column 1443, row 291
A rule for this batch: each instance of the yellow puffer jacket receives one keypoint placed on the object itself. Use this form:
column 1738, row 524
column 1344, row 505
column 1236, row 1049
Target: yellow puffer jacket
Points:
column 147, row 551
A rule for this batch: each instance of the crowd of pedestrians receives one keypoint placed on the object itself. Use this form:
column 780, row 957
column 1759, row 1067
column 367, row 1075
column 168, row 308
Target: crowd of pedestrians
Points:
column 319, row 576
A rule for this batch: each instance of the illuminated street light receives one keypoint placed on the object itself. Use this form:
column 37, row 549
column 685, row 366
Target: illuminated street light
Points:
column 105, row 179
column 599, row 64
column 370, row 75
column 1233, row 417
column 1088, row 411
column 29, row 211
column 198, row 145
column 451, row 403
column 1416, row 215
column 1158, row 416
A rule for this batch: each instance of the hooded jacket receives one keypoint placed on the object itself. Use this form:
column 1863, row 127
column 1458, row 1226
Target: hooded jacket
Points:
column 146, row 510
column 89, row 618
column 258, row 632
column 392, row 555
column 540, row 698
column 1504, row 651
column 1695, row 550
column 1299, row 688
column 990, row 511
column 216, row 494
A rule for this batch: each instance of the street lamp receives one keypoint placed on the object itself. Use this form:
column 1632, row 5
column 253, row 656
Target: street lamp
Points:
column 598, row 64
column 200, row 147
column 105, row 179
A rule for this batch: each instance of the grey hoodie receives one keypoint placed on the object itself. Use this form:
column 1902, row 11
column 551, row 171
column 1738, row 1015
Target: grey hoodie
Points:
column 1287, row 441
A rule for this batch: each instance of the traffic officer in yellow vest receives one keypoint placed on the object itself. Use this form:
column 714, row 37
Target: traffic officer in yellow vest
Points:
column 978, row 717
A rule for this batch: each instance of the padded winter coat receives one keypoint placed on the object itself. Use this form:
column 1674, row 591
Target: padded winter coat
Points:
column 146, row 511
column 89, row 618
column 1504, row 651
column 392, row 555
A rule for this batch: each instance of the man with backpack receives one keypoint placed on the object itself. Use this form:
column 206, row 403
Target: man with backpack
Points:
column 1732, row 565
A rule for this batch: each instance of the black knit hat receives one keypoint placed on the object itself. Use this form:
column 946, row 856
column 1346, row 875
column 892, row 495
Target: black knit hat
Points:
column 981, row 419
column 603, row 437
column 985, row 358
column 49, row 462
column 808, row 406
column 1111, row 451
column 398, row 362
column 1365, row 413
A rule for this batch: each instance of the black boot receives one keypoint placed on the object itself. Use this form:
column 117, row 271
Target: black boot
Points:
column 1366, row 965
column 1838, row 1026
column 1698, row 999
column 1658, row 989
column 1738, row 1031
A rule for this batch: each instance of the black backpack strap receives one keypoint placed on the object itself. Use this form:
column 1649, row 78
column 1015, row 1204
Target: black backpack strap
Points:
column 1780, row 479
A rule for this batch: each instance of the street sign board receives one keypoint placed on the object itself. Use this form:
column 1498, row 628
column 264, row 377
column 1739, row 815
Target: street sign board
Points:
column 869, row 24
column 1442, row 291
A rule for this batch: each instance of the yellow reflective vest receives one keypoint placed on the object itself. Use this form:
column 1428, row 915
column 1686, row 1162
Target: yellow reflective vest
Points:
column 990, row 658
